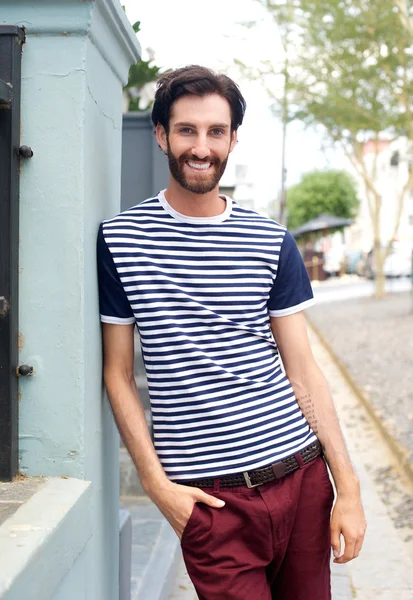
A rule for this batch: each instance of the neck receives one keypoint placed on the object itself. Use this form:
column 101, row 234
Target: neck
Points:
column 194, row 205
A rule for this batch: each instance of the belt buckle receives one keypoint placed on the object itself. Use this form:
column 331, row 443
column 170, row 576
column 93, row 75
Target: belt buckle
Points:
column 248, row 480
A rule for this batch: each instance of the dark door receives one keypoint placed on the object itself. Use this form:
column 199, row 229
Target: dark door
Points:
column 11, row 40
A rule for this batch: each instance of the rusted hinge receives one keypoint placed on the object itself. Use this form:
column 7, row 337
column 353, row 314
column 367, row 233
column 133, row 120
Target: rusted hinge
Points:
column 4, row 307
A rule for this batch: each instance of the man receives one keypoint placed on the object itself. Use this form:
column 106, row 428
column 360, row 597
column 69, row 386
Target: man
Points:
column 217, row 293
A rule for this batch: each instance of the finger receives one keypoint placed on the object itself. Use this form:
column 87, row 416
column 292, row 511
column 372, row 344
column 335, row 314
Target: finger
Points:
column 358, row 546
column 210, row 500
column 335, row 542
column 348, row 553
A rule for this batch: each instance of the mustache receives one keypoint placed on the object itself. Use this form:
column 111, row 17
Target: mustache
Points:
column 211, row 159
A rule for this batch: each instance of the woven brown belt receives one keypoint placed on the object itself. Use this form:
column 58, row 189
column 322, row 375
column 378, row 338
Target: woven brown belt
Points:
column 259, row 476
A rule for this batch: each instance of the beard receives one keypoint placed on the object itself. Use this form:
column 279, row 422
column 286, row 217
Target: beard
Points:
column 199, row 183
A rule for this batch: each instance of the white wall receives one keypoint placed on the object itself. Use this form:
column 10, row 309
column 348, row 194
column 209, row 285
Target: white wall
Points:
column 389, row 181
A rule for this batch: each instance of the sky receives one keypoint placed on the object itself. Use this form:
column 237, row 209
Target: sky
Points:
column 210, row 33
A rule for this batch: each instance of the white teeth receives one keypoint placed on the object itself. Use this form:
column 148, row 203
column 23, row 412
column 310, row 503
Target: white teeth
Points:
column 200, row 167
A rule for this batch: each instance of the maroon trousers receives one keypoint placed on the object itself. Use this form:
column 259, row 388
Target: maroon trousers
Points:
column 271, row 542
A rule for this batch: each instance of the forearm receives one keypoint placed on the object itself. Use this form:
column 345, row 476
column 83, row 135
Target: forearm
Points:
column 131, row 422
column 314, row 398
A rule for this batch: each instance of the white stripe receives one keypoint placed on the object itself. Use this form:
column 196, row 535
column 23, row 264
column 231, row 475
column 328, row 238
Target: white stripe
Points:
column 144, row 287
column 166, row 366
column 257, row 456
column 190, row 265
column 117, row 320
column 178, row 338
column 185, row 330
column 219, row 374
column 196, row 352
column 285, row 435
column 240, row 228
column 244, row 235
column 220, row 418
column 198, row 283
column 292, row 309
column 229, row 368
column 182, row 295
column 186, row 404
column 188, row 253
column 161, row 431
column 163, row 320
column 149, row 240
column 156, row 270
column 181, row 442
column 257, row 385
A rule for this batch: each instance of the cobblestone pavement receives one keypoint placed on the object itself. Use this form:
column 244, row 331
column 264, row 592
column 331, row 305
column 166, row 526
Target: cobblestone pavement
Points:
column 384, row 569
column 373, row 338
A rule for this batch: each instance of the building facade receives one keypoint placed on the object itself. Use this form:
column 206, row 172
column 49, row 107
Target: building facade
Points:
column 63, row 541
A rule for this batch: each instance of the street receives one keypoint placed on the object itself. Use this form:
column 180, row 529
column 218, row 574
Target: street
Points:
column 352, row 286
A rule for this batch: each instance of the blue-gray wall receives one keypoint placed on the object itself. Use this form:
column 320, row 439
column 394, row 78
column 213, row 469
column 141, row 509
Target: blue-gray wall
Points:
column 144, row 166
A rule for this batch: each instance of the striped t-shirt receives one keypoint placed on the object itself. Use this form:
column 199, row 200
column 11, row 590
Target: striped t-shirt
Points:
column 201, row 291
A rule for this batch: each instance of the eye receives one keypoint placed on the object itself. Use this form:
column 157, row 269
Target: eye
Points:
column 217, row 132
column 185, row 130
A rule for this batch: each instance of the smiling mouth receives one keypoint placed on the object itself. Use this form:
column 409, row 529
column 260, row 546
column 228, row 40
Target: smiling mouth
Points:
column 198, row 166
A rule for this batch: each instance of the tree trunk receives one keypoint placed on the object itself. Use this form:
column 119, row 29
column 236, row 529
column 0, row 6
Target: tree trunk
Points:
column 379, row 257
column 379, row 254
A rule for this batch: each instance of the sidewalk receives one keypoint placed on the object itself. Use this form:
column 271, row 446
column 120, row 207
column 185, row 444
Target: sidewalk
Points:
column 156, row 552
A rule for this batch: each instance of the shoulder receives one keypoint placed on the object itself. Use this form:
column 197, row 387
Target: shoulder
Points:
column 149, row 208
column 255, row 219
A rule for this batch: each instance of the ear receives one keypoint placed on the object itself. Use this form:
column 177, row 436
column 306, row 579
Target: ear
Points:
column 234, row 139
column 161, row 137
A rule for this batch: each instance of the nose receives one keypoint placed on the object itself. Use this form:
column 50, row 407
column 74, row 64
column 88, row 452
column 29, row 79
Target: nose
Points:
column 201, row 148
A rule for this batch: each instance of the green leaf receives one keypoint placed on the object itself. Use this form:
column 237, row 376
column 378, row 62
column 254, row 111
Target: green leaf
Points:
column 140, row 74
column 330, row 191
column 350, row 64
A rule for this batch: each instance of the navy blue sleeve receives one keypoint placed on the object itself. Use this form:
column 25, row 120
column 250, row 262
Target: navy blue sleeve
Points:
column 113, row 303
column 291, row 291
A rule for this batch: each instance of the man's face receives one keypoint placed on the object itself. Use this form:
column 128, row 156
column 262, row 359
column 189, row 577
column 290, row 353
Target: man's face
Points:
column 199, row 141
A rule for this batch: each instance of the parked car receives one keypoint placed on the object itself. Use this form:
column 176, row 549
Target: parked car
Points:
column 397, row 264
column 353, row 262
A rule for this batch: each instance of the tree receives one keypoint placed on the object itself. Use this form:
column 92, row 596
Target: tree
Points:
column 140, row 74
column 332, row 192
column 350, row 70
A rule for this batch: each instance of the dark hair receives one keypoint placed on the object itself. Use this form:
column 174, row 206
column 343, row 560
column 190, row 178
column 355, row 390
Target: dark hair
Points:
column 198, row 81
